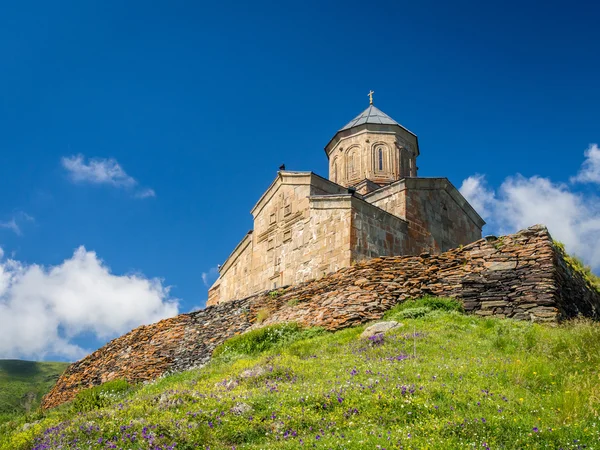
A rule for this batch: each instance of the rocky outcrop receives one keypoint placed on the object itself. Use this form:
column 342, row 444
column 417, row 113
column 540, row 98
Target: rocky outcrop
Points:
column 523, row 276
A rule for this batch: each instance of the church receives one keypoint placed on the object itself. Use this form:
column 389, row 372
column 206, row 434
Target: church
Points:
column 373, row 203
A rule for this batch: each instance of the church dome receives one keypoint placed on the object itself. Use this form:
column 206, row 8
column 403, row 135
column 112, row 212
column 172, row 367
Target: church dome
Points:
column 370, row 115
column 372, row 120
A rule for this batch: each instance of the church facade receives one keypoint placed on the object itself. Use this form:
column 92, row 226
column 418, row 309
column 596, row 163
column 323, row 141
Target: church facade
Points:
column 372, row 204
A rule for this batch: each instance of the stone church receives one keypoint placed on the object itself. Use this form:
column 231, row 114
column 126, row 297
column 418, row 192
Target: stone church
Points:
column 372, row 204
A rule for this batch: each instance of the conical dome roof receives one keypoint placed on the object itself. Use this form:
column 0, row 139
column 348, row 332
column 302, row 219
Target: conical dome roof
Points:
column 374, row 120
column 371, row 115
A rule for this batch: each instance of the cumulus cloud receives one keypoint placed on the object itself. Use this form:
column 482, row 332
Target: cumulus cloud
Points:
column 43, row 308
column 590, row 169
column 105, row 171
column 480, row 198
column 209, row 277
column 572, row 217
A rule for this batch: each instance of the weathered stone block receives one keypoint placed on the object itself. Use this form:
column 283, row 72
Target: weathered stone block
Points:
column 499, row 265
column 380, row 328
column 494, row 304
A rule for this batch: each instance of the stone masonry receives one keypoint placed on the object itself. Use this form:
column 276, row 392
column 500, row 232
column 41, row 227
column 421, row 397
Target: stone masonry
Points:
column 523, row 276
column 306, row 227
column 372, row 205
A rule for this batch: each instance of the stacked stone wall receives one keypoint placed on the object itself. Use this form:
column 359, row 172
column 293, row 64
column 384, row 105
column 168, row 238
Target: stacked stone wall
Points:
column 523, row 276
column 575, row 297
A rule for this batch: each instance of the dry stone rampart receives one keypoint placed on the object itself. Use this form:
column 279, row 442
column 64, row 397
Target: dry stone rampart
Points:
column 523, row 276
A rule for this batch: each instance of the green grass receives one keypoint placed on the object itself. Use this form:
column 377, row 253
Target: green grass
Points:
column 263, row 339
column 474, row 383
column 578, row 266
column 23, row 384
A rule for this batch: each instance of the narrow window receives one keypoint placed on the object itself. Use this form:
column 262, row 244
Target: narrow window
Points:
column 353, row 164
column 335, row 172
column 380, row 158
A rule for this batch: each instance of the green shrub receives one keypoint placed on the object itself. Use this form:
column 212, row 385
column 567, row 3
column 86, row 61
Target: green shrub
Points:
column 420, row 307
column 263, row 339
column 442, row 303
column 413, row 313
column 99, row 396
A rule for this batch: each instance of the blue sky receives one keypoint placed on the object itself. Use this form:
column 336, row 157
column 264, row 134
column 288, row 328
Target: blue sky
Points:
column 136, row 136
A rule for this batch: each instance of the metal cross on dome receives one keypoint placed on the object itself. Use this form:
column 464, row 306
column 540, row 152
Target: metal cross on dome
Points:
column 370, row 94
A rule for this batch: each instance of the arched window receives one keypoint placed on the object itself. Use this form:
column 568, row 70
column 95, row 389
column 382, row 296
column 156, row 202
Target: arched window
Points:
column 380, row 158
column 334, row 172
column 352, row 164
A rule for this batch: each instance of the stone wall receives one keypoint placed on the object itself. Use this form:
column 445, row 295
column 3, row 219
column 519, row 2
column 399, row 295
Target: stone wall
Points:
column 575, row 298
column 375, row 232
column 306, row 227
column 239, row 267
column 294, row 238
column 523, row 276
column 438, row 217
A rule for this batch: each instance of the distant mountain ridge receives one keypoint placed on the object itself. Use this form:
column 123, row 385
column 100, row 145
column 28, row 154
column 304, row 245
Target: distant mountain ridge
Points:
column 24, row 383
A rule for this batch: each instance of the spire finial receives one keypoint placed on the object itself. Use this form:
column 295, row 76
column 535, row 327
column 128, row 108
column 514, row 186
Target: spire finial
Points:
column 371, row 97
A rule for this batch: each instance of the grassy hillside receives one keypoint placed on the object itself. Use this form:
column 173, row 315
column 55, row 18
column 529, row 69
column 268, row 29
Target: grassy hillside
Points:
column 23, row 383
column 443, row 380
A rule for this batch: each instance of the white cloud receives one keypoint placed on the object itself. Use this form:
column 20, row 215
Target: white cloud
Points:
column 145, row 193
column 103, row 171
column 13, row 223
column 590, row 169
column 97, row 171
column 43, row 308
column 572, row 217
column 480, row 198
column 209, row 277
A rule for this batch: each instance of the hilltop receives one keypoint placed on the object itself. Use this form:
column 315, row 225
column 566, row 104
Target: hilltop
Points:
column 440, row 380
column 524, row 276
column 23, row 383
